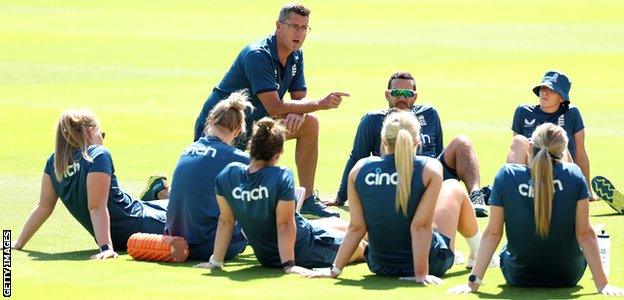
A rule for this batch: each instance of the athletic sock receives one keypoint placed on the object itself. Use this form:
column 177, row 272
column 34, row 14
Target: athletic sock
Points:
column 473, row 244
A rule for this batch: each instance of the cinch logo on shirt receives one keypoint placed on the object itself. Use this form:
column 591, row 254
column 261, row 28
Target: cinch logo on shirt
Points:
column 527, row 189
column 201, row 150
column 528, row 123
column 425, row 138
column 255, row 194
column 379, row 178
column 294, row 71
column 72, row 169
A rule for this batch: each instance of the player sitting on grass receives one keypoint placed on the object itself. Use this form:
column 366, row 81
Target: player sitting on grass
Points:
column 410, row 213
column 261, row 197
column 458, row 159
column 544, row 208
column 193, row 211
column 553, row 107
column 82, row 174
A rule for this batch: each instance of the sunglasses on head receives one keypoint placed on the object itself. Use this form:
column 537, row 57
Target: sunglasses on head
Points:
column 402, row 93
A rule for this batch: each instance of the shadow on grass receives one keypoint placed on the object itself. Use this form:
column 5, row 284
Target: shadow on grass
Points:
column 607, row 215
column 246, row 259
column 459, row 273
column 513, row 292
column 374, row 282
column 70, row 256
column 247, row 274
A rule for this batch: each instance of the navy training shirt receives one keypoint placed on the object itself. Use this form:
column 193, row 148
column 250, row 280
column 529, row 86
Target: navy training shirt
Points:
column 557, row 259
column 126, row 214
column 253, row 198
column 193, row 212
column 367, row 139
column 528, row 117
column 258, row 69
column 389, row 233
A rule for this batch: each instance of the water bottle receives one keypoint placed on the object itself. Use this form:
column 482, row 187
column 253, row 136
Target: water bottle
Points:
column 604, row 245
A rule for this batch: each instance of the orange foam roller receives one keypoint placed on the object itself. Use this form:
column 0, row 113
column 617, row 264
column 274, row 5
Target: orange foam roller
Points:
column 157, row 247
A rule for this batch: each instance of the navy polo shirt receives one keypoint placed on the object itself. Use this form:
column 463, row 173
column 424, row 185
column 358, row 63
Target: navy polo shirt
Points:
column 528, row 117
column 368, row 138
column 529, row 260
column 193, row 212
column 127, row 216
column 389, row 236
column 253, row 198
column 257, row 68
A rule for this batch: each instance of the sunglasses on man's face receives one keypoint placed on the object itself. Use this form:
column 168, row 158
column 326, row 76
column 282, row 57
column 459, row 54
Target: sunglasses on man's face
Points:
column 402, row 93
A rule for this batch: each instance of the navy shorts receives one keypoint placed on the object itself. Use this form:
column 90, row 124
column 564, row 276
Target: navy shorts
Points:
column 153, row 221
column 324, row 249
column 449, row 173
column 203, row 251
column 441, row 259
column 561, row 278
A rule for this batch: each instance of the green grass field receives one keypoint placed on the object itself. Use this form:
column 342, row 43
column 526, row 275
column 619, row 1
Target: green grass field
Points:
column 145, row 68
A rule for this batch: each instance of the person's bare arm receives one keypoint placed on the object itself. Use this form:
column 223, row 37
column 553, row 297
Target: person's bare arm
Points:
column 43, row 210
column 98, row 186
column 275, row 107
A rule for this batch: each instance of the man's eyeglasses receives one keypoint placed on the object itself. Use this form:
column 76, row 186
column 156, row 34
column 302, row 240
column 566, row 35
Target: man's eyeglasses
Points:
column 402, row 93
column 295, row 27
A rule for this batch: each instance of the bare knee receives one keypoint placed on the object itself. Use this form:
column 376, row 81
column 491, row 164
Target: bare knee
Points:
column 453, row 190
column 310, row 126
column 519, row 142
column 518, row 150
column 460, row 146
column 462, row 141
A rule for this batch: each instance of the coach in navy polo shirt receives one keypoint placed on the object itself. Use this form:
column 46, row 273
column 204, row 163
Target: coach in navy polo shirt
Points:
column 267, row 69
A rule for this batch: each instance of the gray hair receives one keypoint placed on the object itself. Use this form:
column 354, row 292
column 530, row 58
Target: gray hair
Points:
column 292, row 8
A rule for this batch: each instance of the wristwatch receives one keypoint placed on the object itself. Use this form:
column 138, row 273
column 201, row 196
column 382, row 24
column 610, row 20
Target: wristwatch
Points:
column 105, row 247
column 475, row 279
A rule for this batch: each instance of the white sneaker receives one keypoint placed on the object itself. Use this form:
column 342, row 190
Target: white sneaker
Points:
column 494, row 263
column 459, row 258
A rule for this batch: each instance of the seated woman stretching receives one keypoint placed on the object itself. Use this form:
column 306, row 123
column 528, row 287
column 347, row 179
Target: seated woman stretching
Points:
column 81, row 173
column 261, row 197
column 193, row 212
column 545, row 211
column 412, row 233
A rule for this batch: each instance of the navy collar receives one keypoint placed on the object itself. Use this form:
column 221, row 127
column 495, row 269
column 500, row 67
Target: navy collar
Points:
column 273, row 49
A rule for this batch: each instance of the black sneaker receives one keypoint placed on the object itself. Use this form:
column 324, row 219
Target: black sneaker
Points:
column 312, row 206
column 478, row 203
column 155, row 184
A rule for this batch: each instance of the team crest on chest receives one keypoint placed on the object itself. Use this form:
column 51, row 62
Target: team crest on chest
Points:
column 528, row 123
column 561, row 121
column 422, row 120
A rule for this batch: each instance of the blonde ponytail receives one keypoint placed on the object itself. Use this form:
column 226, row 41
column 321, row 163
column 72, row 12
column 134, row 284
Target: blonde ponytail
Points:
column 399, row 133
column 72, row 133
column 403, row 159
column 229, row 113
column 548, row 143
